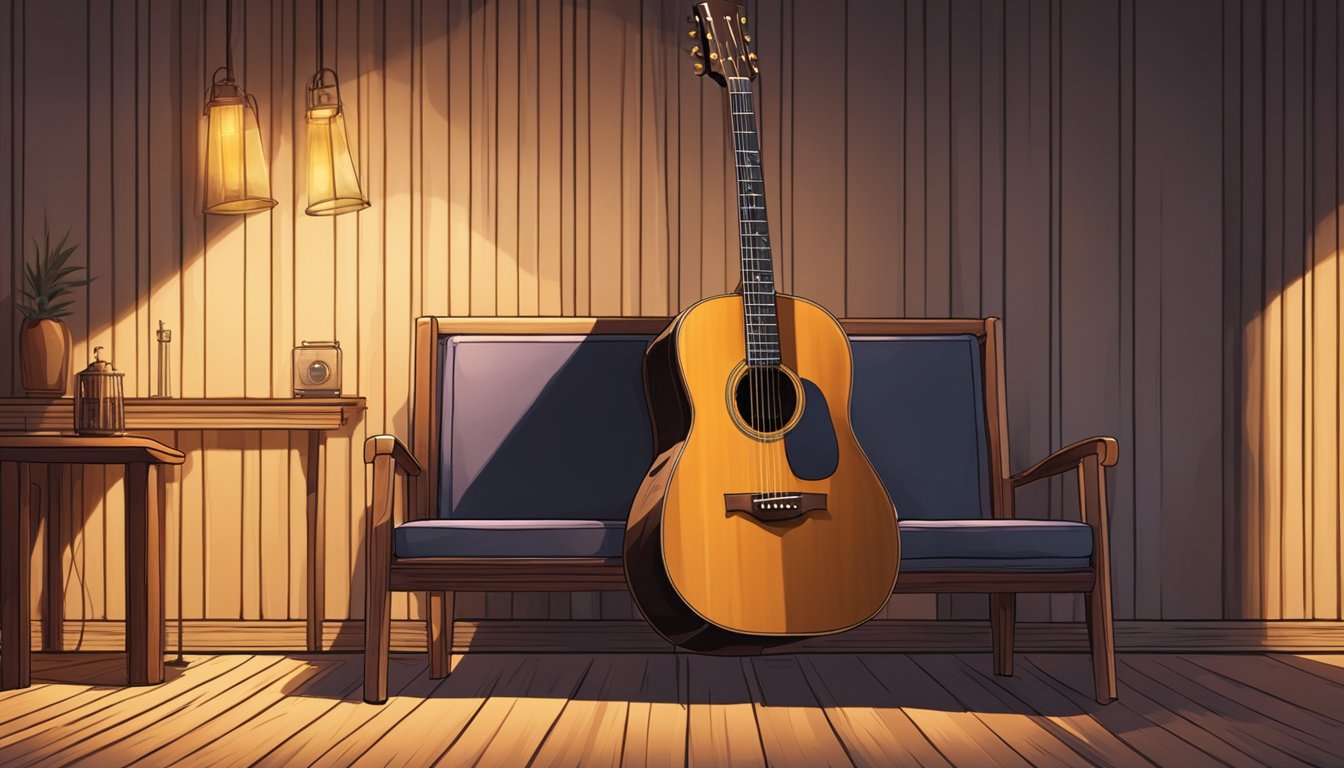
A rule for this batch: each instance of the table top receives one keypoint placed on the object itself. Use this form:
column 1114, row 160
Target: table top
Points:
column 57, row 448
column 31, row 414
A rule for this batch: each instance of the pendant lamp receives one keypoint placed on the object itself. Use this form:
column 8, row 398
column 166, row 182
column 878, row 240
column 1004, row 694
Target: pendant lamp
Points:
column 236, row 179
column 333, row 184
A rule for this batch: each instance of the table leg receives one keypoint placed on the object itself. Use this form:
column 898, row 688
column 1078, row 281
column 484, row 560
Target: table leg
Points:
column 316, row 540
column 53, row 588
column 15, row 562
column 144, row 576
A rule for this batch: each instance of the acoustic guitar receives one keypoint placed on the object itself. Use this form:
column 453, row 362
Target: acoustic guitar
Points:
column 761, row 520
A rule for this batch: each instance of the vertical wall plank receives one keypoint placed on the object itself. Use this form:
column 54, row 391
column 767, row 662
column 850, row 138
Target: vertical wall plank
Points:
column 607, row 74
column 1324, row 322
column 11, row 195
column 819, row 213
column 966, row 170
column 549, row 177
column 1248, row 519
column 459, row 155
column 529, row 171
column 508, row 148
column 938, row 157
column 874, row 166
column 652, row 249
column 484, row 114
column 915, row 251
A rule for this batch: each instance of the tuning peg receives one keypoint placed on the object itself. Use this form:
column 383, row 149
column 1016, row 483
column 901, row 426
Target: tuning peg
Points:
column 746, row 38
column 755, row 69
column 699, row 68
column 751, row 56
column 695, row 50
column 713, row 56
column 743, row 19
column 692, row 33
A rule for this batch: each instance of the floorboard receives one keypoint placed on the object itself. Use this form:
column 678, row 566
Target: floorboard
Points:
column 934, row 710
column 1162, row 735
column 656, row 722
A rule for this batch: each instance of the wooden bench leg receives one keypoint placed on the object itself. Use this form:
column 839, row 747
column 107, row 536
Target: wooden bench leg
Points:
column 1002, row 623
column 377, row 631
column 377, row 597
column 440, row 626
column 1100, row 619
column 1101, row 638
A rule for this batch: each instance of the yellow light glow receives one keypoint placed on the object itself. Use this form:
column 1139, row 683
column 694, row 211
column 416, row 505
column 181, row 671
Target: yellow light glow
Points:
column 1290, row 471
column 333, row 185
column 236, row 178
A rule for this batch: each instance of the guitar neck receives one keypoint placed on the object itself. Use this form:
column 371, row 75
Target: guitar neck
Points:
column 758, row 273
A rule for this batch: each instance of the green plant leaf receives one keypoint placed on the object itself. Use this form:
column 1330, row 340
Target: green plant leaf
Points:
column 56, row 259
column 59, row 278
column 49, row 278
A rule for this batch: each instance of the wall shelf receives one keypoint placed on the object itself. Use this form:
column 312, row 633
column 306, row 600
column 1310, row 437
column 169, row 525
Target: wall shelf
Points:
column 30, row 414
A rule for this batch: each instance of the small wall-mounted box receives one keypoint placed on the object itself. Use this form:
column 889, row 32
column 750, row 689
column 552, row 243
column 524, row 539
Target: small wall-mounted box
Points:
column 317, row 369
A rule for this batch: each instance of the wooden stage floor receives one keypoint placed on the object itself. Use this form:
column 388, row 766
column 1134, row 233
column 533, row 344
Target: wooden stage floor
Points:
column 660, row 709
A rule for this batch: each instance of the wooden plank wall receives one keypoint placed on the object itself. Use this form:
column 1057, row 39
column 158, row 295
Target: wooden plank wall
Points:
column 1146, row 191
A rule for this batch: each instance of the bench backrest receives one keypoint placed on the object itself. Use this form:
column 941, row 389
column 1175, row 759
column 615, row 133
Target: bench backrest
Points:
column 550, row 423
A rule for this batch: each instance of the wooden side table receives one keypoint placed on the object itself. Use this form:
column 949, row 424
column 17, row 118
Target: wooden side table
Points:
column 144, row 544
column 314, row 415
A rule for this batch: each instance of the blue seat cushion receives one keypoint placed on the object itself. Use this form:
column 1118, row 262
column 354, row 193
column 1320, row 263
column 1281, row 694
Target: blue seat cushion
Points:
column 539, row 537
column 995, row 545
column 1023, row 545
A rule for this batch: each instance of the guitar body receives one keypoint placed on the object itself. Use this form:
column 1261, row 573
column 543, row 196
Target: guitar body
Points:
column 753, row 528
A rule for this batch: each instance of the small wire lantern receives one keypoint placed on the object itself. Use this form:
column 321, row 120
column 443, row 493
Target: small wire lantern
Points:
column 100, row 407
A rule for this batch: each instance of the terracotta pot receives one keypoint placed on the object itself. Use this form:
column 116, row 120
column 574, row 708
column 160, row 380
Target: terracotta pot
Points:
column 44, row 357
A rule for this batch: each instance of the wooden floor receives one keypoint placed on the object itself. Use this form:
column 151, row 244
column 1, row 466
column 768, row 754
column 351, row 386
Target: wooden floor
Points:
column 630, row 709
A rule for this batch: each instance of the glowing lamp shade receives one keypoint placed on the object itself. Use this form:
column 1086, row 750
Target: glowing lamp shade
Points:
column 333, row 185
column 236, row 179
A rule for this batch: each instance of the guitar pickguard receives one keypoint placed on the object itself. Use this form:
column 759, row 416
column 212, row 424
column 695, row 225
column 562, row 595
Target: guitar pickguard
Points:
column 810, row 446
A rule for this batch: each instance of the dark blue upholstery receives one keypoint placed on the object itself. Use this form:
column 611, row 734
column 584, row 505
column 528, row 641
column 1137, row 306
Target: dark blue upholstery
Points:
column 918, row 411
column 988, row 545
column 545, row 440
column 551, row 427
column 509, row 538
column 994, row 545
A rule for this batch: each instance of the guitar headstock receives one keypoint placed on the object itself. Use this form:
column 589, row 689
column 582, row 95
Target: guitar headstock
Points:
column 721, row 43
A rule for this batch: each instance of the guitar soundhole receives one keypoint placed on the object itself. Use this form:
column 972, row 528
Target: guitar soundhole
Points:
column 766, row 399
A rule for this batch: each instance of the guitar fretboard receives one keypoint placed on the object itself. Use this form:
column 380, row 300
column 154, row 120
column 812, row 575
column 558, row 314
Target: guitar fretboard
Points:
column 758, row 274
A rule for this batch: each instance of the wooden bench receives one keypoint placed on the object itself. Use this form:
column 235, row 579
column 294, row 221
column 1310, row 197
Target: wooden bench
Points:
column 529, row 438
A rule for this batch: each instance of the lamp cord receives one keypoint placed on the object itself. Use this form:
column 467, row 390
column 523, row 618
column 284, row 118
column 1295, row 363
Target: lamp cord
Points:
column 321, row 28
column 228, row 38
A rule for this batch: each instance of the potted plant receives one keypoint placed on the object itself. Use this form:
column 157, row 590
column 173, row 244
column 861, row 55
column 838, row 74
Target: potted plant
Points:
column 44, row 341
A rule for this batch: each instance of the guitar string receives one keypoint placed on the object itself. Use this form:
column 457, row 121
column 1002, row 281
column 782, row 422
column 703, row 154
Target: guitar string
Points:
column 752, row 372
column 767, row 389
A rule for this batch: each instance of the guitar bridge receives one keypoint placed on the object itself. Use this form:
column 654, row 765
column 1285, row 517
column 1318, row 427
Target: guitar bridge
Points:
column 774, row 507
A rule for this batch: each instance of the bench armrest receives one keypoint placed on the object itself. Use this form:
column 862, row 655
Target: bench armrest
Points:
column 387, row 445
column 1104, row 449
